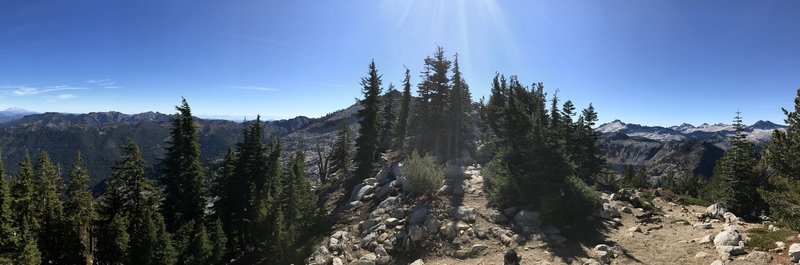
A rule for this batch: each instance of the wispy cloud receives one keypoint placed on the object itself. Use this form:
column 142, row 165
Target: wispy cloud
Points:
column 104, row 83
column 29, row 90
column 66, row 96
column 259, row 88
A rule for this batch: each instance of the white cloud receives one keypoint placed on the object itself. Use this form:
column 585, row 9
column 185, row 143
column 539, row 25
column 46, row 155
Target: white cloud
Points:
column 28, row 90
column 259, row 88
column 104, row 83
column 66, row 96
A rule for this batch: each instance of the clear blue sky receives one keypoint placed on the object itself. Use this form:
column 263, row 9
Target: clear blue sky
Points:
column 650, row 62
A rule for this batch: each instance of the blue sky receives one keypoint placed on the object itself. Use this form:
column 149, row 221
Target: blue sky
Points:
column 649, row 62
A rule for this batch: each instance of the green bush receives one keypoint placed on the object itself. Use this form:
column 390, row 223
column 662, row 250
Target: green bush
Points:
column 495, row 177
column 578, row 201
column 423, row 173
column 763, row 239
column 689, row 200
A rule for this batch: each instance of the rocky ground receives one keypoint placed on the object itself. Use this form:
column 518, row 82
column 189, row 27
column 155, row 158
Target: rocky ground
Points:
column 382, row 223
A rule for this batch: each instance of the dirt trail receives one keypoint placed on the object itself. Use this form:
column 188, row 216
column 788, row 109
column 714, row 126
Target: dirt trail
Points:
column 670, row 241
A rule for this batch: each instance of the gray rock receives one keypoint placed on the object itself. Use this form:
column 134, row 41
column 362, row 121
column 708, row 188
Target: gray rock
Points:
column 609, row 211
column 506, row 240
column 730, row 218
column 794, row 252
column 381, row 251
column 363, row 191
column 367, row 224
column 368, row 240
column 383, row 260
column 717, row 262
column 391, row 221
column 759, row 257
column 354, row 193
column 390, row 202
column 383, row 191
column 417, row 262
column 405, row 184
column 626, row 209
column 418, row 216
column 702, row 255
column 368, row 259
column 728, row 237
column 715, row 211
column 465, row 213
column 399, row 213
column 383, row 176
column 702, row 226
column 370, row 182
column 527, row 221
column 431, row 225
column 707, row 239
column 337, row 261
column 320, row 256
column 731, row 250
column 339, row 234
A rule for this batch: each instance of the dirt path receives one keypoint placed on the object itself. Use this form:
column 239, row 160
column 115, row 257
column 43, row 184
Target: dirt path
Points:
column 670, row 241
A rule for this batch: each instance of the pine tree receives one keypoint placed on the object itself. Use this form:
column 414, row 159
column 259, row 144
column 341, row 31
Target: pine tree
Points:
column 183, row 177
column 367, row 142
column 460, row 114
column 401, row 130
column 639, row 180
column 734, row 177
column 343, row 150
column 79, row 214
column 50, row 209
column 199, row 250
column 29, row 253
column 222, row 206
column 388, row 119
column 246, row 186
column 112, row 241
column 26, row 218
column 219, row 242
column 433, row 91
column 8, row 235
column 783, row 157
column 628, row 174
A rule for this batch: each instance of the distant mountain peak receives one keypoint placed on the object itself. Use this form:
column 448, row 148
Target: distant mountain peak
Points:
column 765, row 125
column 17, row 110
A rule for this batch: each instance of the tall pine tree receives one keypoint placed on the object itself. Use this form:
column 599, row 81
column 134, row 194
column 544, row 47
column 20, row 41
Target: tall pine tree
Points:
column 8, row 235
column 783, row 157
column 401, row 130
column 79, row 214
column 367, row 141
column 183, row 176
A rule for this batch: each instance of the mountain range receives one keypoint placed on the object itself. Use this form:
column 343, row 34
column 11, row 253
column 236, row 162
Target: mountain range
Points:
column 99, row 135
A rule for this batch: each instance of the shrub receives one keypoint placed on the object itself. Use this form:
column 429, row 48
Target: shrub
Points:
column 578, row 201
column 423, row 173
column 762, row 238
column 495, row 176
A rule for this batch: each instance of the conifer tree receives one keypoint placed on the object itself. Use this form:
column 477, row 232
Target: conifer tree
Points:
column 248, row 182
column 79, row 214
column 50, row 209
column 222, row 183
column 367, row 141
column 783, row 157
column 8, row 235
column 460, row 114
column 734, row 177
column 343, row 150
column 401, row 130
column 199, row 250
column 387, row 129
column 219, row 242
column 112, row 241
column 183, row 177
column 29, row 253
column 640, row 179
column 433, row 91
column 26, row 218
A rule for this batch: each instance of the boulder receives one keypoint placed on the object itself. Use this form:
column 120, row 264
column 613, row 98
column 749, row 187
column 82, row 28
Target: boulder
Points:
column 370, row 182
column 337, row 261
column 759, row 257
column 417, row 262
column 364, row 190
column 716, row 210
column 391, row 221
column 730, row 218
column 707, row 239
column 365, row 225
column 384, row 190
column 602, row 253
column 320, row 256
column 635, row 229
column 626, row 209
column 609, row 211
column 794, row 252
column 717, row 262
column 728, row 237
column 474, row 251
column 381, row 251
column 731, row 250
column 390, row 202
column 383, row 176
column 418, row 216
column 368, row 259
column 527, row 221
column 465, row 213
